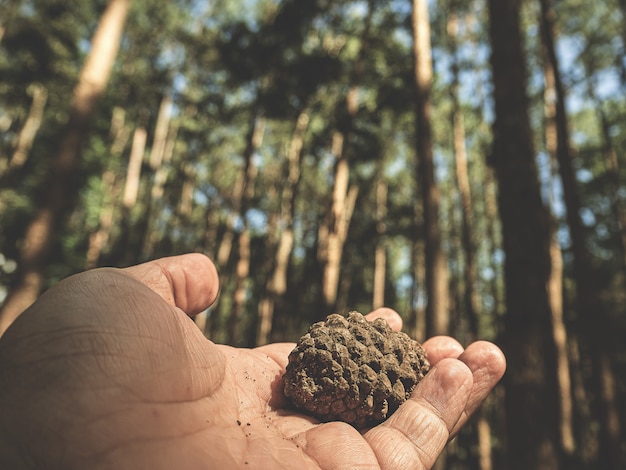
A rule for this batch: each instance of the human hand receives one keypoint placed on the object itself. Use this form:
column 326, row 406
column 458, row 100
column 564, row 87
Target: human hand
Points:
column 107, row 370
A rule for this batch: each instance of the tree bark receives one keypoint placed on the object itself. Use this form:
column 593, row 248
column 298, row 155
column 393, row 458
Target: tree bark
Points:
column 531, row 392
column 555, row 284
column 470, row 269
column 40, row 232
column 163, row 143
column 244, row 198
column 380, row 255
column 225, row 248
column 334, row 230
column 276, row 285
column 437, row 315
column 133, row 171
column 489, row 193
column 344, row 199
column 31, row 127
column 587, row 290
column 417, row 307
column 161, row 132
column 111, row 184
column 470, row 298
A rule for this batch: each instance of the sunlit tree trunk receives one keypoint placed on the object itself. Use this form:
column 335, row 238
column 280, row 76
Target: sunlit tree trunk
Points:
column 40, row 232
column 458, row 323
column 165, row 133
column 267, row 301
column 489, row 194
column 125, row 249
column 161, row 132
column 380, row 255
column 437, row 315
column 470, row 276
column 333, row 233
column 587, row 289
column 133, row 171
column 242, row 265
column 532, row 400
column 417, row 307
column 334, row 230
column 555, row 284
column 111, row 190
column 470, row 269
column 470, row 299
column 225, row 247
column 29, row 130
column 276, row 285
column 185, row 204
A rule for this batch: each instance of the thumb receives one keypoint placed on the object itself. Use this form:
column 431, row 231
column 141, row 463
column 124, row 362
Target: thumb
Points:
column 189, row 282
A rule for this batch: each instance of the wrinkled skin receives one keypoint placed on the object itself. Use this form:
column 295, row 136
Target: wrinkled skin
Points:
column 107, row 370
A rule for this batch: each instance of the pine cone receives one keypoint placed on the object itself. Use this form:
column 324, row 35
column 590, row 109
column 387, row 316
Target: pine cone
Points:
column 353, row 370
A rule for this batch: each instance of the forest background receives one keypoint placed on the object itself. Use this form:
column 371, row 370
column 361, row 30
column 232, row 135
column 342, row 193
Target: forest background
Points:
column 460, row 162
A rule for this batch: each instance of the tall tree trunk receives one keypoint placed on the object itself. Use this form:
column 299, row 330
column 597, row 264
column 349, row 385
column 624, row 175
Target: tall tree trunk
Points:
column 470, row 269
column 267, row 302
column 417, row 307
column 161, row 133
column 30, row 128
column 125, row 250
column 470, row 274
column 470, row 298
column 380, row 255
column 185, row 204
column 555, row 284
column 489, row 195
column 225, row 248
column 39, row 233
column 437, row 315
column 110, row 182
column 133, row 171
column 242, row 265
column 531, row 392
column 165, row 134
column 334, row 230
column 587, row 289
column 276, row 285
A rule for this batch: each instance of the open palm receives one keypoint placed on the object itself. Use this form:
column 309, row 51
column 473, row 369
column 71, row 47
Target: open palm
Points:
column 107, row 370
